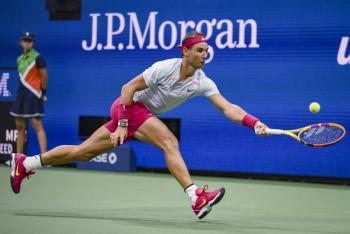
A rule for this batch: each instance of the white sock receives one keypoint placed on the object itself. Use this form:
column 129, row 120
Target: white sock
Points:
column 191, row 193
column 31, row 163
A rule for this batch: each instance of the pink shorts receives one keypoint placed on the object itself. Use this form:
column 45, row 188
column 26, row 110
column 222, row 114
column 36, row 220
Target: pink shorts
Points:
column 138, row 115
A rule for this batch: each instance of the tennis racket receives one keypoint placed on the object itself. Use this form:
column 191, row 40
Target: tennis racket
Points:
column 315, row 135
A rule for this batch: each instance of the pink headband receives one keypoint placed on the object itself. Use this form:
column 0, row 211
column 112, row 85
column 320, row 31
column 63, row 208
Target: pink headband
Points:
column 191, row 42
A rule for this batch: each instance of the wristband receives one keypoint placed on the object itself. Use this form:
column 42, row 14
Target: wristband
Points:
column 123, row 111
column 249, row 121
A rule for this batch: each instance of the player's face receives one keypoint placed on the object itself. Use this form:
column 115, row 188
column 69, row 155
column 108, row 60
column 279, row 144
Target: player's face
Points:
column 197, row 55
column 26, row 44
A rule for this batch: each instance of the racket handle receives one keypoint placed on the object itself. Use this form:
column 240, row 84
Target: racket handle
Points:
column 274, row 131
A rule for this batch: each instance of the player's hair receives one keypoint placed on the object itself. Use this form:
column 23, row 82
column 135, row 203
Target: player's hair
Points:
column 190, row 35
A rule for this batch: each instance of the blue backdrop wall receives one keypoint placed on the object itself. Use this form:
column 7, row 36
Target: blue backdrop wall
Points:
column 270, row 57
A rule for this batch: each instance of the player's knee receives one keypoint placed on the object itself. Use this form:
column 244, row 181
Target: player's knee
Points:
column 170, row 144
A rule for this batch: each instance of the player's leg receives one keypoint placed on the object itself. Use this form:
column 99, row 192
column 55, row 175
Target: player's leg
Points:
column 21, row 127
column 99, row 142
column 23, row 166
column 40, row 133
column 157, row 133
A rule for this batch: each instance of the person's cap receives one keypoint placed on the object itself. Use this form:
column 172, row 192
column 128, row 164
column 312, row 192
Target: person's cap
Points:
column 27, row 35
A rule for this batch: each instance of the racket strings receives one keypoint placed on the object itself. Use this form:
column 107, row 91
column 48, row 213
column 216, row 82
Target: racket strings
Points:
column 321, row 135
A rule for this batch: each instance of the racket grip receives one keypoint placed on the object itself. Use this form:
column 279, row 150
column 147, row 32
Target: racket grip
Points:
column 274, row 131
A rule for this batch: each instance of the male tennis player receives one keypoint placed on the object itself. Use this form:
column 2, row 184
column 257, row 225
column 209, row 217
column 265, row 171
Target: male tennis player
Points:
column 163, row 86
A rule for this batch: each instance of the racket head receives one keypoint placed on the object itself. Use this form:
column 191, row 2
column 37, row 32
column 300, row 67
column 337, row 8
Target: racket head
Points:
column 322, row 134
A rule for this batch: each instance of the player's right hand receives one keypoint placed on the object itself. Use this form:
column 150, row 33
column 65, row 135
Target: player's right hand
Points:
column 260, row 129
column 118, row 137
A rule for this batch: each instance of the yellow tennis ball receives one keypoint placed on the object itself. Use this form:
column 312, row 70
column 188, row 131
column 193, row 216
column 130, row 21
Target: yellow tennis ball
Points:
column 314, row 107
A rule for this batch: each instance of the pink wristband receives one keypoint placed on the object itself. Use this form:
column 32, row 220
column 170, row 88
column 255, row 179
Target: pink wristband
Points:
column 249, row 121
column 123, row 111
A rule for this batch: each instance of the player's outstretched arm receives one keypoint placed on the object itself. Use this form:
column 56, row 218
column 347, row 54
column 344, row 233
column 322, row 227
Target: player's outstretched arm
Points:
column 231, row 111
column 236, row 113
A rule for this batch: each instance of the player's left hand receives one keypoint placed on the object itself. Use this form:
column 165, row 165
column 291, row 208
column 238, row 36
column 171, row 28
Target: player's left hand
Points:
column 260, row 129
column 118, row 137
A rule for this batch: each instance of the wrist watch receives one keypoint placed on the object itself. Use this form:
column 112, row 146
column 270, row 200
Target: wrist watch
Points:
column 123, row 123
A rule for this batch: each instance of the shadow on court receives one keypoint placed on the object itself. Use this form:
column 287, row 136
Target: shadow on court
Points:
column 155, row 222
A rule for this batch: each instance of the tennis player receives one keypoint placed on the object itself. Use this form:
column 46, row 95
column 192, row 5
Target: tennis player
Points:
column 160, row 88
